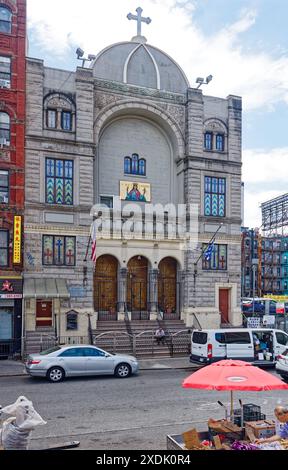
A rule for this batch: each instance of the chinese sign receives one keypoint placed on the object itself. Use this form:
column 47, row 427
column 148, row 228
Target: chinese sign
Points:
column 17, row 239
column 11, row 288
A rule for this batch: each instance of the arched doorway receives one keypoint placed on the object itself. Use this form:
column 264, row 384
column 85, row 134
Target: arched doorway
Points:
column 167, row 288
column 137, row 287
column 105, row 287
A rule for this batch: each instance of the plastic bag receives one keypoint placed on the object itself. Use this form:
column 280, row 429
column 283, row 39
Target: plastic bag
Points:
column 16, row 429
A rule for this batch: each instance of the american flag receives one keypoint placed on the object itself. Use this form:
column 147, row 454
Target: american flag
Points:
column 93, row 238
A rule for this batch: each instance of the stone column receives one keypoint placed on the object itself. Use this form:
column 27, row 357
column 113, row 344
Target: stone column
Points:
column 153, row 290
column 122, row 292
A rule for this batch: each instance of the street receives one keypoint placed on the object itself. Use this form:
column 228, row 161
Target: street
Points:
column 106, row 413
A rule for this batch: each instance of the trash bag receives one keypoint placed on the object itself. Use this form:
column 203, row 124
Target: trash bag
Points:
column 23, row 419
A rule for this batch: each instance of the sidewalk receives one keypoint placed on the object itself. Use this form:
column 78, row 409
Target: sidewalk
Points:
column 16, row 368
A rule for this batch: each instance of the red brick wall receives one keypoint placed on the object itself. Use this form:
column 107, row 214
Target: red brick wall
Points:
column 12, row 101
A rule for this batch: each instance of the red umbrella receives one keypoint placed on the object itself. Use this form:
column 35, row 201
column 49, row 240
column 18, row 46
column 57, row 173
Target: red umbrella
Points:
column 233, row 375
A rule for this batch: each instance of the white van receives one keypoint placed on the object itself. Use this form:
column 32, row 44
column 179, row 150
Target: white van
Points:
column 261, row 346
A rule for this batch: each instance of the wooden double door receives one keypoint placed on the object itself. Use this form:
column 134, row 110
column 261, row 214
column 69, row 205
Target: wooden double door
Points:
column 137, row 284
column 167, row 285
column 106, row 284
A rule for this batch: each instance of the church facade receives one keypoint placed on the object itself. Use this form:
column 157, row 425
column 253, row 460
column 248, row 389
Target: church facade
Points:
column 129, row 135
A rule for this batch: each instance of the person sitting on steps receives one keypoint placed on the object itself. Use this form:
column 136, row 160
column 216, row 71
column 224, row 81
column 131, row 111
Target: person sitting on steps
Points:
column 160, row 335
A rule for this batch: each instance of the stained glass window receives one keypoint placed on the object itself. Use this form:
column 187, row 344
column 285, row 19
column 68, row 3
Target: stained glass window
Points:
column 208, row 140
column 66, row 120
column 59, row 181
column 70, row 251
column 142, row 167
column 220, row 142
column 135, row 159
column 48, row 250
column 59, row 250
column 135, row 165
column 215, row 197
column 127, row 165
column 218, row 260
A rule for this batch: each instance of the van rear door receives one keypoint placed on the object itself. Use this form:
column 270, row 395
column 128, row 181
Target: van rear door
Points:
column 199, row 346
column 280, row 342
column 239, row 345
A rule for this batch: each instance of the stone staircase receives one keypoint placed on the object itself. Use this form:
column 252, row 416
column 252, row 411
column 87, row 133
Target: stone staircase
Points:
column 113, row 337
column 39, row 340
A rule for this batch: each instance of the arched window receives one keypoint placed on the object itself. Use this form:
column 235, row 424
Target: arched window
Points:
column 135, row 159
column 220, row 142
column 5, row 19
column 72, row 320
column 135, row 165
column 59, row 112
column 142, row 167
column 4, row 129
column 127, row 165
column 208, row 138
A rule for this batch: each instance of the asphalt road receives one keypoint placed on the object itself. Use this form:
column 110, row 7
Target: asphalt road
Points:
column 106, row 413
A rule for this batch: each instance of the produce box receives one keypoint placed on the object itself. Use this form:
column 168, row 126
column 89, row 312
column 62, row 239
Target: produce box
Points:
column 261, row 429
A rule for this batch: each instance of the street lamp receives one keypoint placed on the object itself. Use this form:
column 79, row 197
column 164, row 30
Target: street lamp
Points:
column 80, row 54
column 254, row 269
column 201, row 81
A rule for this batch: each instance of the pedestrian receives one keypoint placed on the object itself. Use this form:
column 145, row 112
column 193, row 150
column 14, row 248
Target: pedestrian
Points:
column 160, row 335
column 281, row 413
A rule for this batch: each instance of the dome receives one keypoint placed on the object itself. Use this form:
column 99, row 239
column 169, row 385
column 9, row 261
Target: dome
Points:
column 140, row 64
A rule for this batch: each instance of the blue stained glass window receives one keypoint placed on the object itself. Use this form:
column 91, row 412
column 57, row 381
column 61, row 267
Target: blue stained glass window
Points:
column 208, row 138
column 59, row 168
column 142, row 167
column 127, row 165
column 135, row 165
column 135, row 159
column 218, row 260
column 59, row 181
column 220, row 142
column 59, row 251
column 215, row 197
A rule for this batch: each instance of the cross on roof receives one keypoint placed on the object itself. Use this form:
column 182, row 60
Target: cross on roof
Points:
column 139, row 19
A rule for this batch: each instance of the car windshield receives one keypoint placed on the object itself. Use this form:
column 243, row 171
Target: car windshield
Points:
column 49, row 351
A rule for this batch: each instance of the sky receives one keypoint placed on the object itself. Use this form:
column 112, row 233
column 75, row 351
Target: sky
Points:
column 242, row 43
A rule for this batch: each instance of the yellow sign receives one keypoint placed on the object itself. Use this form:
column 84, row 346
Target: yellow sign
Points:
column 279, row 298
column 135, row 191
column 17, row 239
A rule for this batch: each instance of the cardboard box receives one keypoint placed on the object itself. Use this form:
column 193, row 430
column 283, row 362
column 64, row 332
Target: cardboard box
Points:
column 260, row 429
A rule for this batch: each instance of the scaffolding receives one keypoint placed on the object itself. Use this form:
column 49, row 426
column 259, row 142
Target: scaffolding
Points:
column 275, row 216
column 273, row 246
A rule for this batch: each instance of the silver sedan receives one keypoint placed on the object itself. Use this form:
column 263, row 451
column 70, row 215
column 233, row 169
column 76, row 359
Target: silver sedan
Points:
column 70, row 361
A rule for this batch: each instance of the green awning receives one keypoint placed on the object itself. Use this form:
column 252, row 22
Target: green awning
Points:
column 40, row 288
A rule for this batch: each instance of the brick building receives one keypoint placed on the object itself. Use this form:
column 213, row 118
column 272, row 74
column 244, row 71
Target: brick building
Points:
column 12, row 135
column 129, row 126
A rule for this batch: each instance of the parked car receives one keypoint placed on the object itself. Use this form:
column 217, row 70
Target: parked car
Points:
column 70, row 361
column 282, row 365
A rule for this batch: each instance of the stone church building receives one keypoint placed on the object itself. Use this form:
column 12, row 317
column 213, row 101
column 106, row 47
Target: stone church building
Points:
column 129, row 128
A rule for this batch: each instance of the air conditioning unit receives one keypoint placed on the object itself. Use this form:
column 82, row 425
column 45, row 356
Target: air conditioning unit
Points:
column 4, row 83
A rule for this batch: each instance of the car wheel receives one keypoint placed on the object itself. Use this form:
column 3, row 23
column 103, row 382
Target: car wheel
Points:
column 55, row 374
column 123, row 370
column 284, row 377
